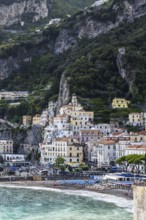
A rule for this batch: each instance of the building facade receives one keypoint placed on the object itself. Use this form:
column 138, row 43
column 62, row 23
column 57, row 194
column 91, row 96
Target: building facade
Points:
column 27, row 120
column 67, row 148
column 135, row 119
column 36, row 120
column 120, row 103
column 106, row 152
column 6, row 147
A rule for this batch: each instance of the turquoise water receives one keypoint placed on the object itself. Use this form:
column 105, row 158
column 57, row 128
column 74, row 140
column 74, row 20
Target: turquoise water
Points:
column 37, row 204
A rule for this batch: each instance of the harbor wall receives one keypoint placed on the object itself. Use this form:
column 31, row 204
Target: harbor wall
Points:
column 139, row 199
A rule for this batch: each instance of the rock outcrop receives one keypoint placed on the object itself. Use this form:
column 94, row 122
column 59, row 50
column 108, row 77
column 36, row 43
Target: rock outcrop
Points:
column 64, row 93
column 90, row 24
column 139, row 202
column 24, row 138
column 12, row 12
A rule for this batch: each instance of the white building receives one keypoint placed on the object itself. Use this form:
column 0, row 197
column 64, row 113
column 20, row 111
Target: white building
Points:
column 44, row 119
column 13, row 95
column 105, row 129
column 13, row 157
column 121, row 148
column 89, row 135
column 61, row 122
column 136, row 149
column 51, row 108
column 135, row 119
column 106, row 152
column 63, row 133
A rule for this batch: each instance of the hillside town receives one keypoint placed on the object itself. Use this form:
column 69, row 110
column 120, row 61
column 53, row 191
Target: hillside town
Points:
column 71, row 134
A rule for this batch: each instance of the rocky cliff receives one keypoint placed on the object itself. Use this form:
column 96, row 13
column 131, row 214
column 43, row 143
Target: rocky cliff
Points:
column 99, row 20
column 90, row 48
column 64, row 93
column 27, row 11
column 12, row 12
column 25, row 139
column 91, row 23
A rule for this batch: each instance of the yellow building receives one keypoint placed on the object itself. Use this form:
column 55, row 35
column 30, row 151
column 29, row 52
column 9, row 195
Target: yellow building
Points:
column 120, row 103
column 81, row 118
column 68, row 148
column 36, row 120
column 135, row 119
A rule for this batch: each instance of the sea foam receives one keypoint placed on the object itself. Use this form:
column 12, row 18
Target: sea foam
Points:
column 118, row 201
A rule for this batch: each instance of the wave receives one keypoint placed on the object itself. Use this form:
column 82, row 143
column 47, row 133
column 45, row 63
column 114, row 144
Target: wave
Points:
column 118, row 201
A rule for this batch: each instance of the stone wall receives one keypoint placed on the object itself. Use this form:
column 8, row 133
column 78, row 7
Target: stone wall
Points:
column 139, row 193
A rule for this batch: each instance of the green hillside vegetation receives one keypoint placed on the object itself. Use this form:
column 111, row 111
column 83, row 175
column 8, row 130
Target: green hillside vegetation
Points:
column 66, row 7
column 91, row 71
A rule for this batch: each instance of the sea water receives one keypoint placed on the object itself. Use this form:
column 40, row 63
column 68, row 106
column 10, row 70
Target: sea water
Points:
column 49, row 204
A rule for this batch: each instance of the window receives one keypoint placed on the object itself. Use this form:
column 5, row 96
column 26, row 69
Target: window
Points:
column 70, row 148
column 77, row 154
column 108, row 147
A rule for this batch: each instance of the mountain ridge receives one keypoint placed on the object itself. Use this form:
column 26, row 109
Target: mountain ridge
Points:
column 29, row 12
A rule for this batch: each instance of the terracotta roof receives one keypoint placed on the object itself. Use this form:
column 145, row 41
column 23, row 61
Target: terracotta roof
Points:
column 60, row 116
column 110, row 142
column 66, row 139
column 137, row 147
column 142, row 133
column 117, row 133
column 138, row 133
column 90, row 131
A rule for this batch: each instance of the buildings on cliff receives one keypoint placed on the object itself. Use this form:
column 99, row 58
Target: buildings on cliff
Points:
column 72, row 134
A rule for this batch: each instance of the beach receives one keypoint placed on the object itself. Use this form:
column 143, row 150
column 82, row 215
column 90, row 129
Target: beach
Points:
column 124, row 193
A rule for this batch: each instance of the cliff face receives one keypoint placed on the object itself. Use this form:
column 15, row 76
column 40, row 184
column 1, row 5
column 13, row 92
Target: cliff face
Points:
column 129, row 78
column 89, row 25
column 64, row 93
column 96, row 20
column 70, row 32
column 24, row 139
column 16, row 11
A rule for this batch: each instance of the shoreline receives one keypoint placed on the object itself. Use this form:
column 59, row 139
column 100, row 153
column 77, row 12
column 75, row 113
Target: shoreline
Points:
column 44, row 185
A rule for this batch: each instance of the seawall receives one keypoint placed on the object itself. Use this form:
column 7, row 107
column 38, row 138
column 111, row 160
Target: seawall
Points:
column 139, row 196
